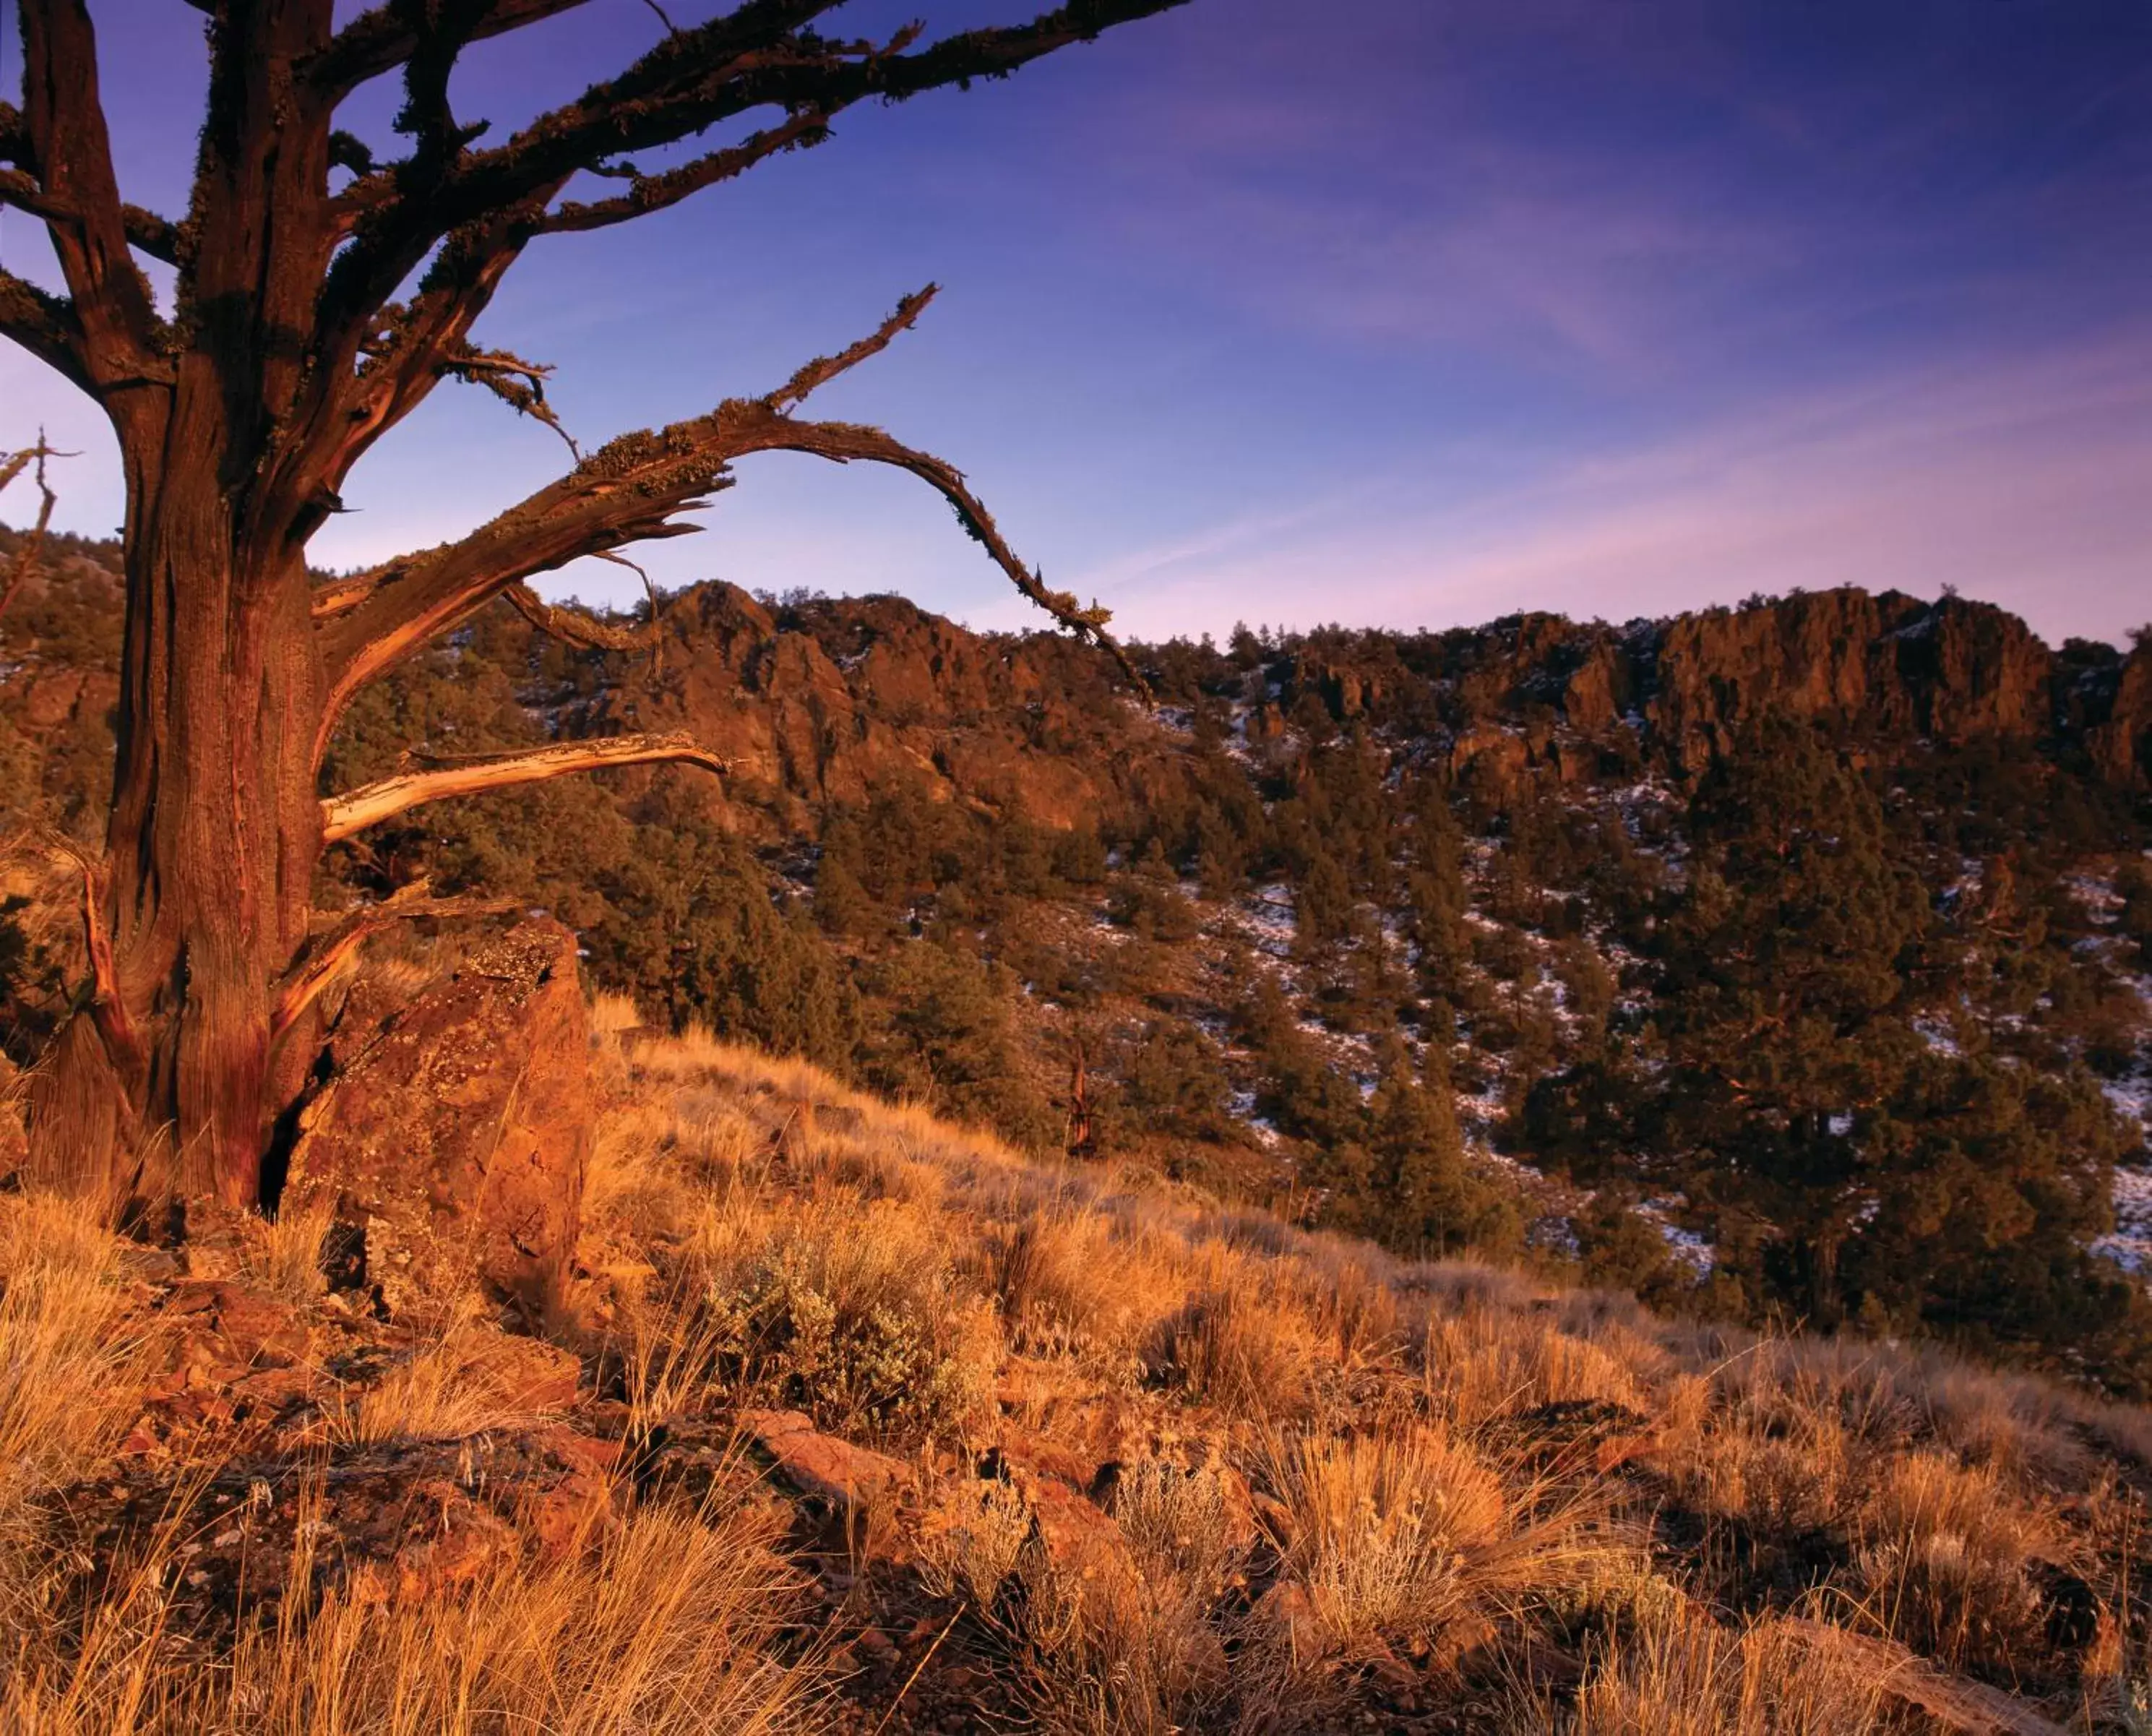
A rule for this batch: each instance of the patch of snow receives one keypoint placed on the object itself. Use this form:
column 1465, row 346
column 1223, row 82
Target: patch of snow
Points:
column 1933, row 1032
column 1691, row 1249
column 2132, row 1098
column 2097, row 894
column 2130, row 1245
column 1267, row 920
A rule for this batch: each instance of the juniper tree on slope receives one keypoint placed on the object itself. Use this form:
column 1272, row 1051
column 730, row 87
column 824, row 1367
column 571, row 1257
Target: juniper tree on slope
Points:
column 321, row 295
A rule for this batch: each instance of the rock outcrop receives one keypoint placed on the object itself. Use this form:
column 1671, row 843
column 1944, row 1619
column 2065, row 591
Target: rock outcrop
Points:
column 1886, row 665
column 454, row 1134
column 2120, row 743
column 835, row 701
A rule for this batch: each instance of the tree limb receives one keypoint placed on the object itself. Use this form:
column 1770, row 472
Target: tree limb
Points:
column 101, row 997
column 629, row 491
column 338, row 596
column 518, row 383
column 45, row 325
column 474, row 211
column 384, row 39
column 69, row 157
column 25, row 557
column 341, row 815
column 571, row 626
column 842, row 443
column 648, row 193
column 145, row 231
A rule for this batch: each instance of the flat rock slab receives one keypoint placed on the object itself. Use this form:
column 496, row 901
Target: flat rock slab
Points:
column 850, row 1481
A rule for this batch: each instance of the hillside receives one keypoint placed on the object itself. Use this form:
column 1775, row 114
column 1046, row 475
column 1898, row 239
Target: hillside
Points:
column 852, row 1418
column 1461, row 941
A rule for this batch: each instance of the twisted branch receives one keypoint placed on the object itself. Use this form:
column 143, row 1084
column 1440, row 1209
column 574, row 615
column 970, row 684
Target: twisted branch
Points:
column 631, row 490
column 25, row 557
column 571, row 626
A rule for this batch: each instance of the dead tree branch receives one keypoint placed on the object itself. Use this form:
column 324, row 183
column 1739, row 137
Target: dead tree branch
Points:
column 629, row 491
column 25, row 557
column 472, row 211
column 381, row 40
column 341, row 815
column 571, row 626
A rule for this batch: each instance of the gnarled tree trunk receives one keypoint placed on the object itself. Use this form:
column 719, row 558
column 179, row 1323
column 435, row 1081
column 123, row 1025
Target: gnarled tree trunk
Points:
column 215, row 836
column 308, row 320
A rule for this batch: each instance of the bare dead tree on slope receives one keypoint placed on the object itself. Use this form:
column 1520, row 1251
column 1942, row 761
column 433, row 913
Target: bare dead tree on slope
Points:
column 321, row 294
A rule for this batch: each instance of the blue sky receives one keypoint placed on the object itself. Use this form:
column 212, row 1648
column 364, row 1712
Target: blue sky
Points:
column 1387, row 312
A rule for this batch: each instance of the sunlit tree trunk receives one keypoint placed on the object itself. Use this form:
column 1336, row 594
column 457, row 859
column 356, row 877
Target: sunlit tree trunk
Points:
column 310, row 316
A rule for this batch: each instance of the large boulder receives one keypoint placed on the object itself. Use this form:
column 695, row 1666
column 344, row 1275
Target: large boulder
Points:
column 456, row 1130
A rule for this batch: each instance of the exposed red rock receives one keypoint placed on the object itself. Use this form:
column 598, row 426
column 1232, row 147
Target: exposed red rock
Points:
column 850, row 1481
column 2121, row 743
column 457, row 1127
column 834, row 701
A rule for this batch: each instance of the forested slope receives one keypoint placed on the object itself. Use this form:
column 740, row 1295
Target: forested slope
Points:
column 1790, row 961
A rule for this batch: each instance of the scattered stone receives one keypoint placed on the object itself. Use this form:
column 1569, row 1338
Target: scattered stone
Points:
column 849, row 1480
column 1077, row 1535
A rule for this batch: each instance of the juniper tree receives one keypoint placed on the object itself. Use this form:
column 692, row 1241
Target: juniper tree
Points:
column 321, row 295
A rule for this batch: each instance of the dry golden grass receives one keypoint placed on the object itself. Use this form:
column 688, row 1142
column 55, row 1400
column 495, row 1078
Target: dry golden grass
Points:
column 1135, row 1641
column 1482, row 1363
column 1688, row 1675
column 1116, row 1654
column 1064, row 1285
column 668, row 1629
column 289, row 1262
column 1228, row 1345
column 973, row 1540
column 1302, row 1357
column 1944, row 1558
column 446, row 1390
column 70, row 1365
column 756, row 1233
column 1391, row 1535
column 850, row 1309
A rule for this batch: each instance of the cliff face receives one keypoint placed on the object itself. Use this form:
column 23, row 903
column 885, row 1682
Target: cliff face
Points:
column 829, row 701
column 832, row 701
column 2120, row 741
column 1886, row 665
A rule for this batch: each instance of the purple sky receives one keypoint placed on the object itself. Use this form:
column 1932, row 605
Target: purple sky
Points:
column 1414, row 317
